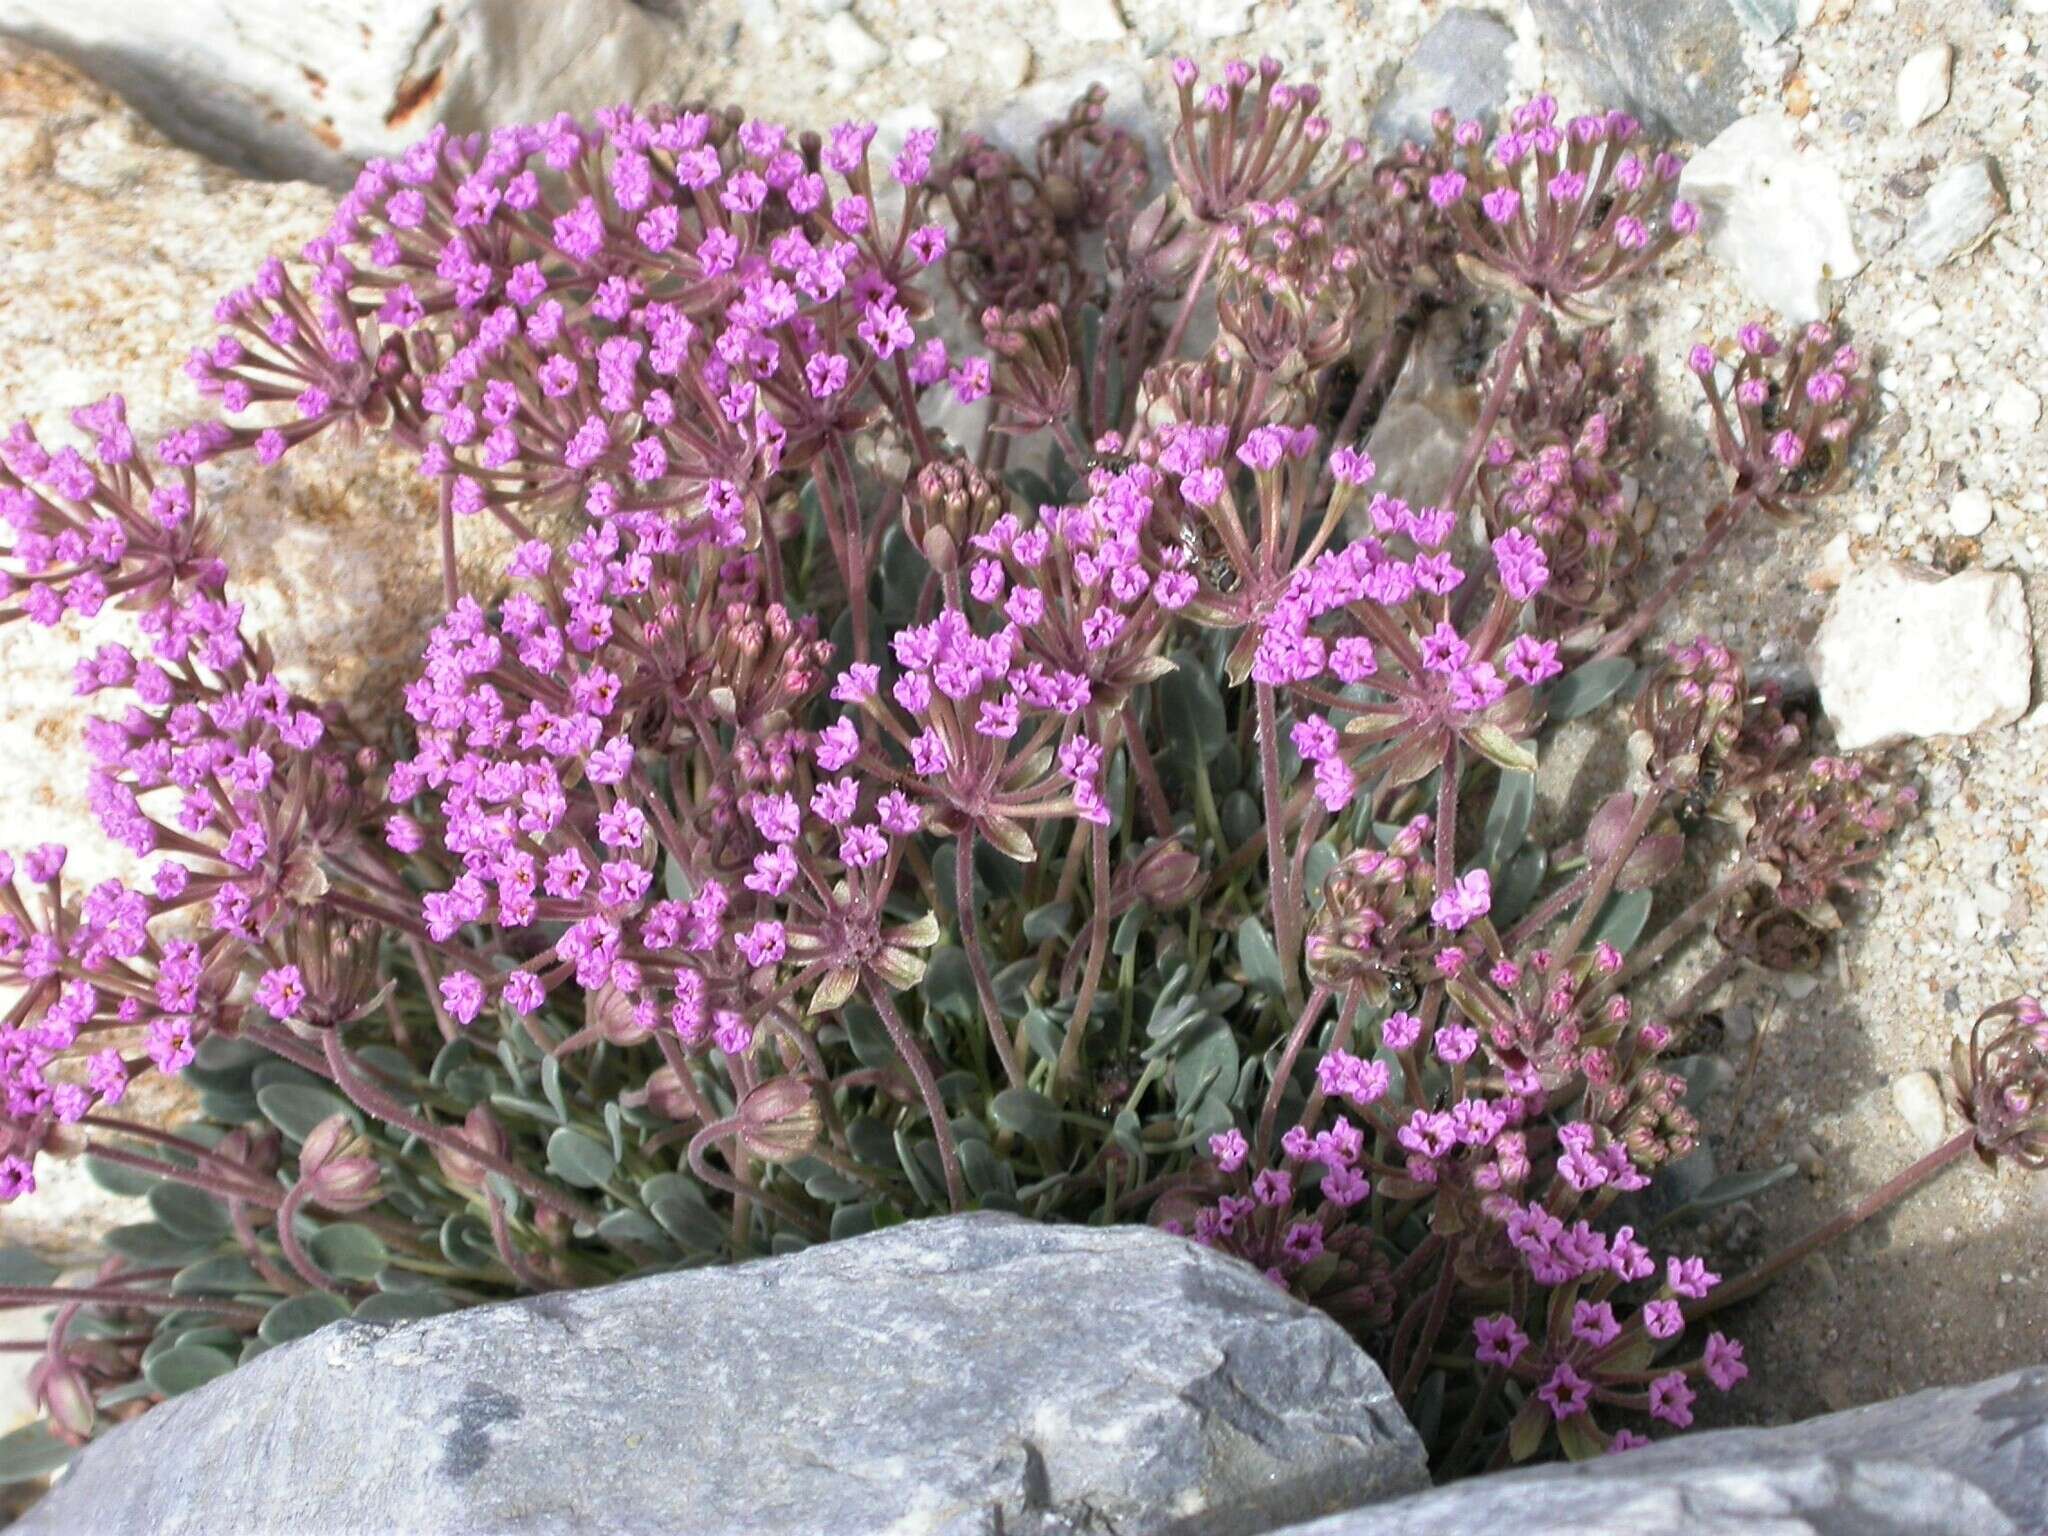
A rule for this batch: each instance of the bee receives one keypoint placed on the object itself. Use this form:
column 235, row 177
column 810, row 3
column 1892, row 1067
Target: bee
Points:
column 1692, row 806
column 1115, row 463
column 1401, row 993
column 1205, row 554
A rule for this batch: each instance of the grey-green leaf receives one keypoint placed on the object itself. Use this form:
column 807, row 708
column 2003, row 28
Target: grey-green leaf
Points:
column 187, row 1367
column 1621, row 920
column 581, row 1160
column 298, row 1316
column 295, row 1108
column 1025, row 1112
column 1261, row 961
column 31, row 1452
column 1507, row 820
column 1586, row 688
column 20, row 1267
column 349, row 1251
column 189, row 1212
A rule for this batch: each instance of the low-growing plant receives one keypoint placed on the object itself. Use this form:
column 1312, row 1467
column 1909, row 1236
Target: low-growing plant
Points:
column 899, row 776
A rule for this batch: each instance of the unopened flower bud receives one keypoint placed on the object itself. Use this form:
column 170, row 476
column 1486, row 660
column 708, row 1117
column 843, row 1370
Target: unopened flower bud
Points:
column 481, row 1131
column 59, row 1389
column 1168, row 875
column 337, row 1167
column 780, row 1120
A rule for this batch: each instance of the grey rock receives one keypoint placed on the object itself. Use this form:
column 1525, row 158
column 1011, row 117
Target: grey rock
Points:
column 307, row 88
column 977, row 1374
column 1768, row 19
column 1673, row 63
column 1955, row 1461
column 1461, row 63
column 1957, row 213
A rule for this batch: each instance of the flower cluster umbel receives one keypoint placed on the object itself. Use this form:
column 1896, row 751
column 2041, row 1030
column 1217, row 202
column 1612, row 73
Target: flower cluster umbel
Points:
column 1115, row 808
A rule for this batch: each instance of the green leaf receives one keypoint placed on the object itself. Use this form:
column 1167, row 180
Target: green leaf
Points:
column 118, row 1178
column 298, row 1316
column 1507, row 820
column 31, row 1452
column 189, row 1212
column 551, row 1088
column 20, row 1267
column 629, row 1226
column 580, row 1160
column 910, row 1157
column 1497, row 746
column 949, row 983
column 1621, row 921
column 466, row 1243
column 148, row 1243
column 187, row 1367
column 985, row 1172
column 225, row 1274
column 1586, row 688
column 1518, row 884
column 1206, row 1066
column 679, row 1205
column 403, row 1306
column 1261, row 961
column 349, row 1251
column 295, row 1108
column 872, row 1047
column 1047, row 922
column 1031, row 1115
column 1191, row 710
column 1731, row 1187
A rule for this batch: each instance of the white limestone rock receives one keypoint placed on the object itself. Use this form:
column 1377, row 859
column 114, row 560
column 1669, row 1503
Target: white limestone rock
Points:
column 1776, row 216
column 1905, row 653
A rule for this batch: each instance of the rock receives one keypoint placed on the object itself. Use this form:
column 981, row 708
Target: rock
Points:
column 112, row 254
column 1834, row 566
column 924, row 50
column 1675, row 63
column 1432, row 410
column 1918, row 1099
column 1768, row 20
column 1775, row 215
column 1969, row 512
column 1461, row 63
column 1923, row 84
column 973, row 1374
column 2017, row 408
column 1091, row 21
column 850, row 46
column 1904, row 653
column 306, row 88
column 1956, row 215
column 1008, row 60
column 1215, row 20
column 1954, row 1461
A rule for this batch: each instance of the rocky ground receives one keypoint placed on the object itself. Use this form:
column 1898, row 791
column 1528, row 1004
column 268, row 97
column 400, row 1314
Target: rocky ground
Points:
column 1870, row 122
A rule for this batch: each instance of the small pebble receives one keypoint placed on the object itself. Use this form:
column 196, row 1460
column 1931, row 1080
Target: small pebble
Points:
column 1917, row 1098
column 1923, row 86
column 1091, row 21
column 925, row 50
column 851, row 47
column 1009, row 60
column 1969, row 512
column 2018, row 408
column 1957, row 213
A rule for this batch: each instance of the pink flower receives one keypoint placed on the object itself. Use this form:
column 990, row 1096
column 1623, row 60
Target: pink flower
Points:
column 1465, row 901
column 1230, row 1149
column 1500, row 1341
column 1724, row 1362
column 1566, row 1392
column 1671, row 1400
column 1690, row 1278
